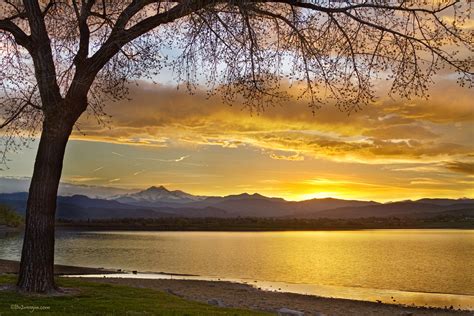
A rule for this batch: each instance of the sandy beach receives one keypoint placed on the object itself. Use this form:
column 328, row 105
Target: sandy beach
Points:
column 239, row 295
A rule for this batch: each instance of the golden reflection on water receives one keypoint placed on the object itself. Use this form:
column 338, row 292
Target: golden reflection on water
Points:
column 411, row 260
column 436, row 261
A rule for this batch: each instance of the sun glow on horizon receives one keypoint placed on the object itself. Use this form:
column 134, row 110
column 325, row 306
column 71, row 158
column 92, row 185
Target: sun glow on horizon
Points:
column 391, row 150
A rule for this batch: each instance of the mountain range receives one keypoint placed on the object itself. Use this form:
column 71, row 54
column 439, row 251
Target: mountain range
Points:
column 158, row 202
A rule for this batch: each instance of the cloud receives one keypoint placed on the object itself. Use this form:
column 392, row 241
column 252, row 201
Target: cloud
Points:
column 386, row 131
column 117, row 154
column 75, row 179
column 179, row 159
column 402, row 131
column 448, row 103
column 270, row 181
column 461, row 167
column 426, row 182
column 294, row 157
column 138, row 172
column 467, row 25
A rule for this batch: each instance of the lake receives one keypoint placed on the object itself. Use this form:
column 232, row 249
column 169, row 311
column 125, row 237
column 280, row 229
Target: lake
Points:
column 432, row 267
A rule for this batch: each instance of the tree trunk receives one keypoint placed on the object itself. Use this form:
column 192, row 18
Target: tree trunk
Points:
column 37, row 257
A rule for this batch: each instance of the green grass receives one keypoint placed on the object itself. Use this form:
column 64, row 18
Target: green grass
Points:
column 106, row 299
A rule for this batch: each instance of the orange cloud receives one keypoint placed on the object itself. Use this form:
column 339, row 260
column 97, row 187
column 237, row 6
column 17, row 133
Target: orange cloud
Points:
column 387, row 131
column 459, row 166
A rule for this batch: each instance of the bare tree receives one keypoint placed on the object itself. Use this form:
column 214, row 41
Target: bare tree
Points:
column 60, row 59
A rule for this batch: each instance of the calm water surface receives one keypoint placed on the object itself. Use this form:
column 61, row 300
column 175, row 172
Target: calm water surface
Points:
column 433, row 261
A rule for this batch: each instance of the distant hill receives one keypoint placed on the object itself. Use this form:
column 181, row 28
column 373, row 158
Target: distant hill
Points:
column 400, row 209
column 159, row 202
column 446, row 201
column 248, row 205
column 310, row 207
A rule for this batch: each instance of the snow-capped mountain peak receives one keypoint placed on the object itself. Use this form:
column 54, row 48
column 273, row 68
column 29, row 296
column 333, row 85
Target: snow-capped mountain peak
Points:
column 158, row 194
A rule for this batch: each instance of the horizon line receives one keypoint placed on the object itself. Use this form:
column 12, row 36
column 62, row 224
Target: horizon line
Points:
column 136, row 190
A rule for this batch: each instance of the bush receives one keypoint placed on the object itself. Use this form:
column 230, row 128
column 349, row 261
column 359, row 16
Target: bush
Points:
column 9, row 217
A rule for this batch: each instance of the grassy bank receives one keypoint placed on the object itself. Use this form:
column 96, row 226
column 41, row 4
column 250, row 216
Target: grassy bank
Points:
column 105, row 299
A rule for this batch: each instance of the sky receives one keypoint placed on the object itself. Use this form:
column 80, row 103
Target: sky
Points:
column 391, row 150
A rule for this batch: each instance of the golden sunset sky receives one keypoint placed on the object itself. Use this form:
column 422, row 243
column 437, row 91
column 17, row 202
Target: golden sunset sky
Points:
column 392, row 150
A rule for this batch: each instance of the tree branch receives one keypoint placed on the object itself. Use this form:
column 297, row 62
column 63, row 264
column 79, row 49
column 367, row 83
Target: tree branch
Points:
column 42, row 55
column 119, row 37
column 410, row 38
column 84, row 32
column 20, row 37
column 14, row 116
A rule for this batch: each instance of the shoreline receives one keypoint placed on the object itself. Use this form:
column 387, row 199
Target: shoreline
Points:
column 12, row 267
column 111, row 227
column 4, row 229
column 241, row 295
column 93, row 228
column 384, row 296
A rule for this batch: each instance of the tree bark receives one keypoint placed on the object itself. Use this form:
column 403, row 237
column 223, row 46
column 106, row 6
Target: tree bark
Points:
column 37, row 257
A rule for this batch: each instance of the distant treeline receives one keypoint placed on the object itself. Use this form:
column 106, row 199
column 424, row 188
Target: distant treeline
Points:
column 268, row 224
